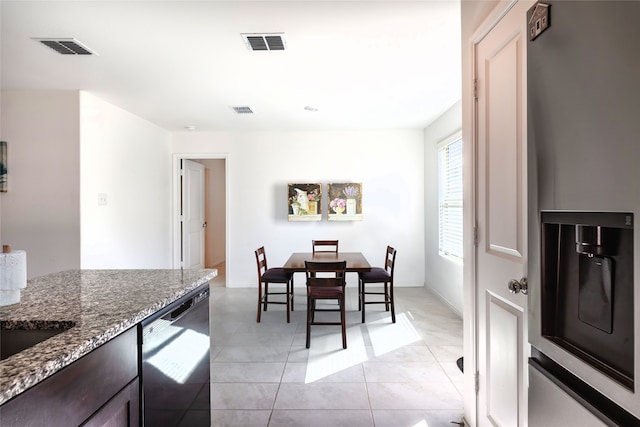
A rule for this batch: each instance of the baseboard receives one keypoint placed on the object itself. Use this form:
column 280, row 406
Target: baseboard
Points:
column 444, row 301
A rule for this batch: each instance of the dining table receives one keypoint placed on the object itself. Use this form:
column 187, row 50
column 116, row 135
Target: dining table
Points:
column 356, row 262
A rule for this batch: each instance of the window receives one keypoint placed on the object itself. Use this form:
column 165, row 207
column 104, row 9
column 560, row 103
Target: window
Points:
column 450, row 197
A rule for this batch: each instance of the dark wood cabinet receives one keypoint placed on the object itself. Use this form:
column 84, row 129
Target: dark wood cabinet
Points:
column 101, row 388
column 123, row 410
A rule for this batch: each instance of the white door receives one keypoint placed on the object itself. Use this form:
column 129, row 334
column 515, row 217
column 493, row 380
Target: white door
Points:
column 192, row 216
column 501, row 211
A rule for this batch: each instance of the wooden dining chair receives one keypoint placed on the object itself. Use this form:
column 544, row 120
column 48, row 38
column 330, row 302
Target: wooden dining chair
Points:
column 324, row 246
column 268, row 275
column 379, row 275
column 325, row 281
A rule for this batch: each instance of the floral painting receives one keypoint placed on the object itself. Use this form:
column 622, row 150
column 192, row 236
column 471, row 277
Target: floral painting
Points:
column 304, row 202
column 345, row 202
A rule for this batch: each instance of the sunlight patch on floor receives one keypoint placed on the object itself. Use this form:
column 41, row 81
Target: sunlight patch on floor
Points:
column 386, row 336
column 327, row 357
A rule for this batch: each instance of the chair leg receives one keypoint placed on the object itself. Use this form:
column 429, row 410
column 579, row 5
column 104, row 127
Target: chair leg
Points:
column 266, row 295
column 343, row 321
column 288, row 293
column 259, row 302
column 308, row 321
column 289, row 299
column 292, row 287
column 359, row 293
column 362, row 291
column 393, row 304
column 386, row 296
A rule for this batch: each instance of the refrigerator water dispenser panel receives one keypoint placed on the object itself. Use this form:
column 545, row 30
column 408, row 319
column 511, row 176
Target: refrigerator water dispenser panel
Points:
column 587, row 288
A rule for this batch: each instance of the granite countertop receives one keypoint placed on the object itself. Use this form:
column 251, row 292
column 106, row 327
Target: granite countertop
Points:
column 101, row 304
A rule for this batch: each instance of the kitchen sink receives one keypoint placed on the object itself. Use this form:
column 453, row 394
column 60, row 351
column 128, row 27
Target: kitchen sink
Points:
column 14, row 339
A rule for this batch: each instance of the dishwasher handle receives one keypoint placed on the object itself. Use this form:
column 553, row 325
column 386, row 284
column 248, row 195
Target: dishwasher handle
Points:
column 179, row 311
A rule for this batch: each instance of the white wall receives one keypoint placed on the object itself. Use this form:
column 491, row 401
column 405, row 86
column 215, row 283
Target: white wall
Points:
column 1, row 139
column 389, row 164
column 65, row 147
column 443, row 275
column 41, row 210
column 129, row 160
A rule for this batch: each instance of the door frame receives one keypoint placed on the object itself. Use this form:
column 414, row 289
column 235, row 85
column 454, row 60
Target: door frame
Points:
column 470, row 215
column 176, row 201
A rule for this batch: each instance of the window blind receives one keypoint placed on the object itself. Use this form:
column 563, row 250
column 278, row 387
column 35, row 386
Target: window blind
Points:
column 450, row 198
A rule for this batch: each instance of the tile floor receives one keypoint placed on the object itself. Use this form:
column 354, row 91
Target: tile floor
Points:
column 401, row 374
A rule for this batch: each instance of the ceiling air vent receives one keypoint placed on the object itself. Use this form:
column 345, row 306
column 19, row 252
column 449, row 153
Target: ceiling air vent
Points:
column 264, row 41
column 67, row 46
column 243, row 110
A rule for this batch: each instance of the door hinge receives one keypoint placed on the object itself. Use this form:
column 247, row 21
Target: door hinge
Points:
column 476, row 379
column 475, row 89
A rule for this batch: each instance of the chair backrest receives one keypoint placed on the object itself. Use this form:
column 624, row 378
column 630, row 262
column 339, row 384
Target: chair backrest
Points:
column 324, row 246
column 325, row 273
column 261, row 260
column 390, row 260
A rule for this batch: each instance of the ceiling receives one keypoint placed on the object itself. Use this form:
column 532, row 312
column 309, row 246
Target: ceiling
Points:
column 362, row 65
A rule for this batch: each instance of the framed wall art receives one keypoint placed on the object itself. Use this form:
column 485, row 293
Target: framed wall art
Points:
column 304, row 202
column 344, row 201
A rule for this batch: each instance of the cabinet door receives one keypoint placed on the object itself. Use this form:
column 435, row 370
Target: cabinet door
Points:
column 123, row 410
column 69, row 397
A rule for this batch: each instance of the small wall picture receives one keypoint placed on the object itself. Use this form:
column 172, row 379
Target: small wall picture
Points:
column 3, row 167
column 304, row 202
column 344, row 202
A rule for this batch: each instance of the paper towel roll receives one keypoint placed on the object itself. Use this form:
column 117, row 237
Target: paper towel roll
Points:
column 13, row 276
column 9, row 297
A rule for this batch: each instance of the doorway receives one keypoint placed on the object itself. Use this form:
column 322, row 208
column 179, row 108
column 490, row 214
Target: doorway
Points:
column 215, row 213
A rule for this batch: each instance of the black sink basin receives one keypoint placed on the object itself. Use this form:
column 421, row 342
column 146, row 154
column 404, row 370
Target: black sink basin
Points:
column 15, row 337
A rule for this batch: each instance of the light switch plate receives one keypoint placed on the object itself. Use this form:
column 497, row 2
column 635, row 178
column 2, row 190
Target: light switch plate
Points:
column 102, row 199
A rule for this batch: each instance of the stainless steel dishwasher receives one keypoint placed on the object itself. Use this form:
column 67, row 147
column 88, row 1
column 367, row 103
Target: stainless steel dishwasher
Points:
column 175, row 377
